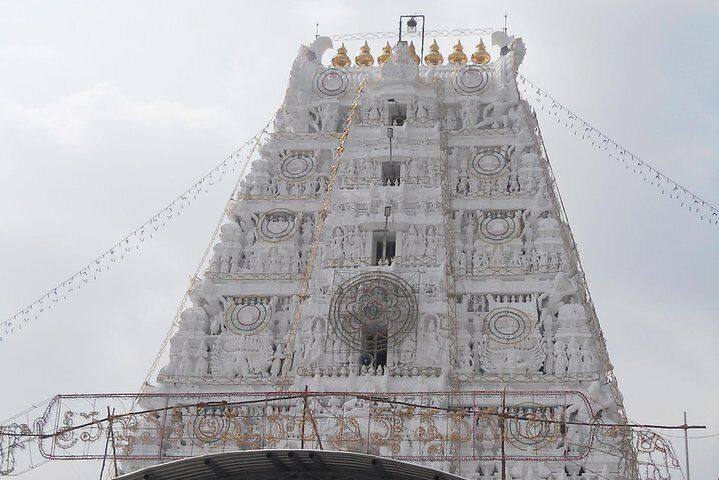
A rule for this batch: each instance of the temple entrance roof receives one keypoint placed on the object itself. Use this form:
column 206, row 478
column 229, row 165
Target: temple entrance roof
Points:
column 281, row 464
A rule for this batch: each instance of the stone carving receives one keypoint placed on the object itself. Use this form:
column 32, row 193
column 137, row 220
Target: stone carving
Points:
column 330, row 83
column 467, row 185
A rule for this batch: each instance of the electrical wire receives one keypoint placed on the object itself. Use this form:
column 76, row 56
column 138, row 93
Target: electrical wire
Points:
column 256, row 140
column 359, row 396
column 696, row 204
column 130, row 242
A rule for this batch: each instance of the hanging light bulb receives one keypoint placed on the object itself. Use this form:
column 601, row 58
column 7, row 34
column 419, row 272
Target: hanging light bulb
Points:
column 411, row 25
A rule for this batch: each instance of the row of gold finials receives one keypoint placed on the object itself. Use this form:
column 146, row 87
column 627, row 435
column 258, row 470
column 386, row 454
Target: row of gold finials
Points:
column 434, row 57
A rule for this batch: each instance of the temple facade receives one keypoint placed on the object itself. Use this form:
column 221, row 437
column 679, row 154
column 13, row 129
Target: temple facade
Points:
column 397, row 278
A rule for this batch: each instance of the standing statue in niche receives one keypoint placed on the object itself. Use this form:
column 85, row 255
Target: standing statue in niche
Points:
column 217, row 324
column 560, row 358
column 277, row 359
column 539, row 207
column 318, row 343
column 374, row 114
column 202, row 367
column 431, row 341
column 421, row 111
column 315, row 120
column 431, row 241
column 467, row 116
column 547, row 321
column 329, row 118
column 574, row 356
column 186, row 359
column 451, row 120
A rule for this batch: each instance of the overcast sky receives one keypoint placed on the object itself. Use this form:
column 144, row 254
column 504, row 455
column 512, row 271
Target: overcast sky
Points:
column 109, row 110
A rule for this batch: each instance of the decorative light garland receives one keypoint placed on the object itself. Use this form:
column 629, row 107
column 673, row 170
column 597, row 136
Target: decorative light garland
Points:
column 130, row 243
column 545, row 102
column 429, row 33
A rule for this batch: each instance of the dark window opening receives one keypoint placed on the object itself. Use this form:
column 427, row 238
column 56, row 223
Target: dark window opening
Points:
column 397, row 113
column 391, row 173
column 385, row 244
column 374, row 352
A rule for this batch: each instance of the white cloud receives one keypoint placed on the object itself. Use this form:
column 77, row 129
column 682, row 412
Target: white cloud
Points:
column 27, row 53
column 323, row 11
column 88, row 116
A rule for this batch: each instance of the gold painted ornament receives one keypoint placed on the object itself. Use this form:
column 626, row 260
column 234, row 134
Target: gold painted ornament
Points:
column 341, row 60
column 458, row 57
column 364, row 59
column 434, row 57
column 413, row 53
column 386, row 54
column 481, row 56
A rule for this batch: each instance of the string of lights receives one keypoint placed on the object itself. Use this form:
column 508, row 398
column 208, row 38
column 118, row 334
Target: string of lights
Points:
column 129, row 243
column 543, row 101
column 224, row 404
column 255, row 142
column 695, row 437
column 428, row 33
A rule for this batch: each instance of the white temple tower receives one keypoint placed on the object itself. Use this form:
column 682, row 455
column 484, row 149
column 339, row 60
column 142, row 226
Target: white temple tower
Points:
column 397, row 278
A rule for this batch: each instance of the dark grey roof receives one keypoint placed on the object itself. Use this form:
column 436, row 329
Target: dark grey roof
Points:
column 286, row 464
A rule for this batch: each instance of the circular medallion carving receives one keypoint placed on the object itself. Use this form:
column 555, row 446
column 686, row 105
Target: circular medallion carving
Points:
column 331, row 83
column 487, row 164
column 209, row 427
column 278, row 225
column 297, row 166
column 533, row 429
column 507, row 325
column 374, row 303
column 471, row 79
column 247, row 318
column 499, row 227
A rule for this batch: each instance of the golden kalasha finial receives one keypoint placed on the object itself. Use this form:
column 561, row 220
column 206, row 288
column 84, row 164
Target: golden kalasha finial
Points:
column 413, row 53
column 481, row 56
column 364, row 59
column 458, row 57
column 434, row 57
column 341, row 60
column 386, row 54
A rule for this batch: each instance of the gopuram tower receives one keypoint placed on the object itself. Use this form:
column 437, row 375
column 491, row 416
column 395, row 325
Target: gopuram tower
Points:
column 396, row 278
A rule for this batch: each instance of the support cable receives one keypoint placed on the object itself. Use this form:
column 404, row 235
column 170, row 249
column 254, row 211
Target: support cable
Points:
column 705, row 210
column 255, row 142
column 130, row 242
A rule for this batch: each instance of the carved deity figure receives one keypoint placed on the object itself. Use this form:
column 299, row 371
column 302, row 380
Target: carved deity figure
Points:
column 563, row 287
column 560, row 358
column 574, row 356
column 431, row 343
column 187, row 361
column 202, row 367
column 421, row 110
column 374, row 113
column 497, row 114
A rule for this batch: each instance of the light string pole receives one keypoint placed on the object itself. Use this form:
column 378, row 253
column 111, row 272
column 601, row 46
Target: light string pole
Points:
column 686, row 446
